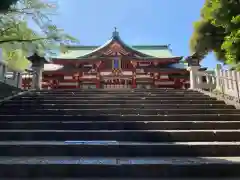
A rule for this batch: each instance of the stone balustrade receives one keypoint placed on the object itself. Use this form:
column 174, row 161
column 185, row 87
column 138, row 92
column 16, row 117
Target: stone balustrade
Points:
column 221, row 81
column 11, row 78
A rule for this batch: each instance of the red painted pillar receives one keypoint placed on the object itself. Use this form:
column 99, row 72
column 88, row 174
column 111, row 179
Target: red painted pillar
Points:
column 155, row 78
column 134, row 83
column 153, row 82
column 80, row 74
column 55, row 83
column 98, row 83
column 98, row 78
column 76, row 78
column 51, row 83
column 177, row 83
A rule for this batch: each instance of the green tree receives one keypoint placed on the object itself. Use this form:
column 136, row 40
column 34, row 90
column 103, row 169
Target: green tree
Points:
column 15, row 33
column 218, row 30
column 5, row 4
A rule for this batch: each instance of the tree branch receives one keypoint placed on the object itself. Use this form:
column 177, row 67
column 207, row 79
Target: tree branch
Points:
column 24, row 40
column 7, row 29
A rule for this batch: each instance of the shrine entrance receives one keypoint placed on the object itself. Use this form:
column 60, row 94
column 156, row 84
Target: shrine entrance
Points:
column 117, row 83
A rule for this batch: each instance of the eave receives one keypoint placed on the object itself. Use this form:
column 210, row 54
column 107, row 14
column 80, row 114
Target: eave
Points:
column 164, row 70
column 138, row 59
column 68, row 69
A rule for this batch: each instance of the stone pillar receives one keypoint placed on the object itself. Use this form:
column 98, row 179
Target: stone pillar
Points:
column 2, row 71
column 218, row 77
column 235, row 83
column 37, row 77
column 193, row 76
column 19, row 80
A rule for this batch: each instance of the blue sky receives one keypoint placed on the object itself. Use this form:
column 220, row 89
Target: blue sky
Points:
column 139, row 22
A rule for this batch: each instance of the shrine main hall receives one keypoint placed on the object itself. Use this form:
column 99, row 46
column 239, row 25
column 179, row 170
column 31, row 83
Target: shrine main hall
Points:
column 115, row 64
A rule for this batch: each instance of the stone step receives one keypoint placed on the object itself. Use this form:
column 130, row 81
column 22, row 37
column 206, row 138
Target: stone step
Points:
column 121, row 135
column 116, row 111
column 120, row 125
column 118, row 149
column 113, row 95
column 19, row 105
column 110, row 133
column 121, row 178
column 112, row 101
column 56, row 167
column 116, row 98
column 113, row 90
column 145, row 118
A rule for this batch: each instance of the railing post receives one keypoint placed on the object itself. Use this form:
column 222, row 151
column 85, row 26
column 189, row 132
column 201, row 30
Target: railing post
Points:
column 218, row 78
column 2, row 72
column 19, row 80
column 37, row 76
column 2, row 67
column 236, row 85
column 193, row 76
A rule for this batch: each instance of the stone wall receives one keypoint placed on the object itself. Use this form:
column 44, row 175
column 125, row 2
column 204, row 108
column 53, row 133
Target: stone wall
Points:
column 7, row 90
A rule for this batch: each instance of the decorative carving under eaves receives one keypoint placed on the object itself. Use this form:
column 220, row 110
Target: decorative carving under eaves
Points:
column 115, row 49
column 117, row 72
column 92, row 70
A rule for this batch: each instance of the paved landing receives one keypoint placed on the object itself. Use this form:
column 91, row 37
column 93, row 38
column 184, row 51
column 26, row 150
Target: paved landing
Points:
column 123, row 179
column 112, row 143
column 119, row 161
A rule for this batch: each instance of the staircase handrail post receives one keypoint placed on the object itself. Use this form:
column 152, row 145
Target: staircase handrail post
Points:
column 218, row 77
column 193, row 70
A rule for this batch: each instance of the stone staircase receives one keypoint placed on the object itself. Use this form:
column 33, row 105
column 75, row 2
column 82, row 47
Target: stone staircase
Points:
column 154, row 133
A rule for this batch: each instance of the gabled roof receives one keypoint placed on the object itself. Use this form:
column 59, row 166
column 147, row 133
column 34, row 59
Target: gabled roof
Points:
column 115, row 46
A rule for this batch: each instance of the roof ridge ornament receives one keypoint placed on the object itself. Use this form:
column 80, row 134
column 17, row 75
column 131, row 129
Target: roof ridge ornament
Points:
column 115, row 33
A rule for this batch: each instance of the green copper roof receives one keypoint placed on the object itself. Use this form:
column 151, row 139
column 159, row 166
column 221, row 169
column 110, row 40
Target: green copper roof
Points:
column 156, row 51
column 146, row 51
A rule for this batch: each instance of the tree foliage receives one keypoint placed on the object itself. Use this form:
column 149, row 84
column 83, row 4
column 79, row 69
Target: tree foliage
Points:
column 218, row 30
column 5, row 4
column 16, row 34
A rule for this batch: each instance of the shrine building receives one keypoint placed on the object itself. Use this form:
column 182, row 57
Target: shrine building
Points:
column 116, row 64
